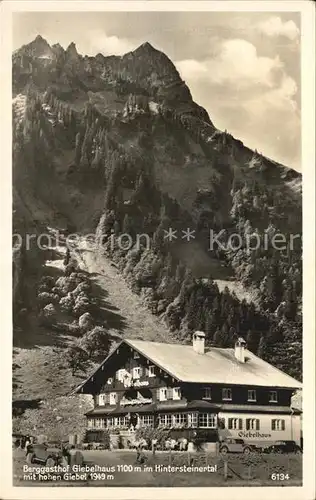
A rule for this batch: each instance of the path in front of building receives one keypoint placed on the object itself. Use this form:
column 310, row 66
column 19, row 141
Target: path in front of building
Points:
column 124, row 314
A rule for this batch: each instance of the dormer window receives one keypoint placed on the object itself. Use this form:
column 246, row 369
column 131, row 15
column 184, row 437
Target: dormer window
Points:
column 226, row 394
column 135, row 355
column 136, row 372
column 176, row 393
column 252, row 396
column 110, row 381
column 102, row 399
column 113, row 398
column 273, row 397
column 207, row 393
column 162, row 394
column 120, row 374
column 151, row 371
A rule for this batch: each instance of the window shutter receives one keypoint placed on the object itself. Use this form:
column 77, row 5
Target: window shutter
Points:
column 273, row 425
column 247, row 424
column 140, row 371
column 257, row 424
column 240, row 423
column 158, row 394
column 283, row 425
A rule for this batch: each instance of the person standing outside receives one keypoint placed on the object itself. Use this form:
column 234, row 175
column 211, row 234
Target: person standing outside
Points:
column 154, row 446
column 27, row 445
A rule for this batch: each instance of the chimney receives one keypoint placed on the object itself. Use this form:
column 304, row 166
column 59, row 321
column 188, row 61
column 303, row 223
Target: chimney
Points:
column 199, row 342
column 240, row 347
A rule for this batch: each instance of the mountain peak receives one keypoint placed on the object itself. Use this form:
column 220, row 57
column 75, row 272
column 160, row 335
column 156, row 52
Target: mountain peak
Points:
column 38, row 47
column 72, row 49
column 39, row 41
column 146, row 47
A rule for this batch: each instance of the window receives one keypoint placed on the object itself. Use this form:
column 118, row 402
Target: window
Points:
column 176, row 393
column 252, row 424
column 221, row 423
column 226, row 394
column 99, row 423
column 113, row 398
column 147, row 420
column 120, row 374
column 235, row 423
column 136, row 355
column 137, row 372
column 207, row 393
column 192, row 419
column 165, row 420
column 151, row 371
column 102, row 399
column 273, row 397
column 90, row 423
column 252, row 396
column 110, row 381
column 162, row 394
column 118, row 422
column 169, row 393
column 207, row 420
column 110, row 422
column 179, row 419
column 277, row 424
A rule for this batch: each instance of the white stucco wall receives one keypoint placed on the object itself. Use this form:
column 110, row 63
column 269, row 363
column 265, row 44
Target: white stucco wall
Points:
column 265, row 435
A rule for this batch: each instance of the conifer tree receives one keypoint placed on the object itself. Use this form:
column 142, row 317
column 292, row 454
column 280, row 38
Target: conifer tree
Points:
column 262, row 348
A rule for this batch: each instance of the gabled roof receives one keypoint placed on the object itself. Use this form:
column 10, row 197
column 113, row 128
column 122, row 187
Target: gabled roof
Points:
column 215, row 366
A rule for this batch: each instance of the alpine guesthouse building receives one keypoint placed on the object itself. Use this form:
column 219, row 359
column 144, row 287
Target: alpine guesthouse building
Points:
column 224, row 392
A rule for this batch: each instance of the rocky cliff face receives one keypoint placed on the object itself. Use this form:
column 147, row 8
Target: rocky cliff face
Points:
column 89, row 113
column 145, row 70
column 118, row 144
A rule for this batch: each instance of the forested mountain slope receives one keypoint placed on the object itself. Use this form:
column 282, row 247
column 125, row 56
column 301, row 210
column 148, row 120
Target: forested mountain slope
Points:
column 116, row 145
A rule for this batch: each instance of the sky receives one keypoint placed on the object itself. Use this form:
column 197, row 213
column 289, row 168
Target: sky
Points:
column 242, row 67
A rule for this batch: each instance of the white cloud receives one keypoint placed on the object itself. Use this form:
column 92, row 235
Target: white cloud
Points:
column 192, row 69
column 250, row 95
column 236, row 62
column 98, row 41
column 274, row 26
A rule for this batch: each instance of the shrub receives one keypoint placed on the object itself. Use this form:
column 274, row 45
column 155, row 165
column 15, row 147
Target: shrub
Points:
column 71, row 267
column 48, row 314
column 82, row 296
column 45, row 298
column 74, row 329
column 81, row 307
column 149, row 434
column 103, row 436
column 77, row 359
column 49, row 310
column 85, row 321
column 66, row 304
column 96, row 342
column 43, row 289
column 82, row 277
column 83, row 287
column 67, row 284
column 47, row 281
